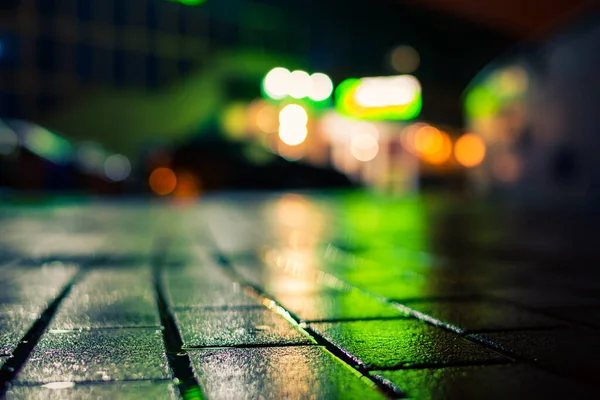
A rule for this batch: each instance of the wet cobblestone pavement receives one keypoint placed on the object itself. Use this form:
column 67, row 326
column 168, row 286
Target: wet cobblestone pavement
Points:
column 343, row 295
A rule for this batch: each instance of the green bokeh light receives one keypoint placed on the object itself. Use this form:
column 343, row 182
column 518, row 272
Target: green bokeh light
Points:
column 346, row 105
column 481, row 102
column 48, row 145
column 189, row 2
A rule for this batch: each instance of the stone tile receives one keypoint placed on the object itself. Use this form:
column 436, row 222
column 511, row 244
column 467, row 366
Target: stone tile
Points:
column 568, row 352
column 13, row 328
column 490, row 381
column 589, row 315
column 333, row 306
column 207, row 328
column 189, row 294
column 105, row 390
column 393, row 343
column 120, row 354
column 482, row 315
column 545, row 297
column 275, row 281
column 108, row 298
column 29, row 289
column 402, row 290
column 298, row 372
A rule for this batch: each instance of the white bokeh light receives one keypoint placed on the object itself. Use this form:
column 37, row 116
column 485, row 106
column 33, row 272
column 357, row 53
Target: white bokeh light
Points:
column 293, row 135
column 117, row 167
column 364, row 146
column 321, row 87
column 276, row 83
column 293, row 114
column 387, row 92
column 299, row 84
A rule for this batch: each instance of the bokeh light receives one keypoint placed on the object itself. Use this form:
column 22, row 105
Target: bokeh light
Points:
column 162, row 181
column 387, row 92
column 506, row 167
column 405, row 59
column 441, row 153
column 481, row 102
column 276, row 83
column 299, row 84
column 469, row 150
column 292, row 124
column 8, row 139
column 234, row 120
column 364, row 146
column 189, row 2
column 46, row 144
column 188, row 185
column 428, row 140
column 266, row 118
column 321, row 87
column 293, row 114
column 117, row 167
column 293, row 135
column 91, row 157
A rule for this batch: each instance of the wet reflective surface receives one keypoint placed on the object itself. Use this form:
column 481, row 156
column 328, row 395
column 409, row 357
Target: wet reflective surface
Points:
column 322, row 295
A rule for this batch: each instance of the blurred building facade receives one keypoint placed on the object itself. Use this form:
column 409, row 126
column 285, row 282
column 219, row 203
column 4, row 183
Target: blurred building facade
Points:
column 53, row 50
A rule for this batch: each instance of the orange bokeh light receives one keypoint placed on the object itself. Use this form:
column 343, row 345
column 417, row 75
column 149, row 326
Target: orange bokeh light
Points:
column 188, row 185
column 442, row 153
column 433, row 145
column 469, row 150
column 162, row 181
column 428, row 140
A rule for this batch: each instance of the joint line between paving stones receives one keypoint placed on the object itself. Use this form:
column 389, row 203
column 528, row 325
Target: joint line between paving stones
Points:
column 541, row 311
column 11, row 368
column 446, row 326
column 347, row 359
column 179, row 361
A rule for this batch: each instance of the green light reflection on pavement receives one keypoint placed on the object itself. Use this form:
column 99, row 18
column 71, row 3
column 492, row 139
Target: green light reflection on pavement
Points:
column 192, row 393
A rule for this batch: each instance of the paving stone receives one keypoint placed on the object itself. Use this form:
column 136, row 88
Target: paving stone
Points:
column 298, row 372
column 408, row 342
column 569, row 352
column 277, row 283
column 545, row 297
column 106, row 390
column 97, row 355
column 29, row 289
column 13, row 328
column 334, row 306
column 108, row 298
column 190, row 294
column 402, row 290
column 489, row 382
column 589, row 315
column 236, row 327
column 482, row 315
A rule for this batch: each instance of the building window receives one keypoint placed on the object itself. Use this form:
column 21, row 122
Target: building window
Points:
column 9, row 49
column 47, row 54
column 84, row 10
column 120, row 72
column 9, row 5
column 47, row 102
column 10, row 105
column 84, row 62
column 151, row 71
column 47, row 7
column 120, row 13
column 185, row 66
